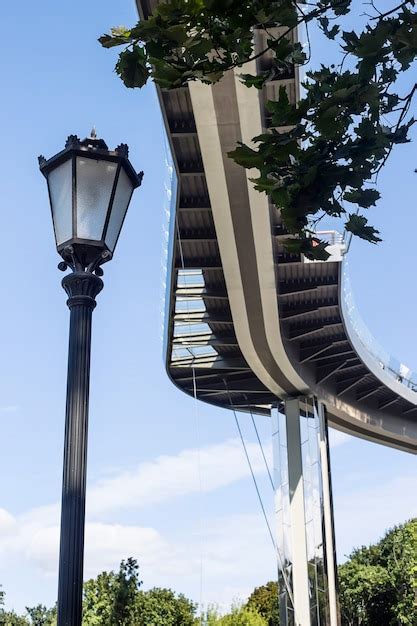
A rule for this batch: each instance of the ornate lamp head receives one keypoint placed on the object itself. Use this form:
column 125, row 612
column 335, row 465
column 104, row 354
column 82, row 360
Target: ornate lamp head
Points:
column 90, row 188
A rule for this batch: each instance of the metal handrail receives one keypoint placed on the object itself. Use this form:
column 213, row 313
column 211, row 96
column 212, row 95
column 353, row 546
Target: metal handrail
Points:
column 332, row 237
column 393, row 366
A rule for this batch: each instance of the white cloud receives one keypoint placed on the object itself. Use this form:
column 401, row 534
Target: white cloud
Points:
column 363, row 515
column 105, row 546
column 237, row 555
column 7, row 523
column 35, row 534
column 176, row 476
column 41, row 548
column 170, row 477
column 232, row 553
column 235, row 549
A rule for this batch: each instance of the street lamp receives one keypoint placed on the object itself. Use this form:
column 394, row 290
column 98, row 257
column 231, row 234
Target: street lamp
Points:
column 90, row 188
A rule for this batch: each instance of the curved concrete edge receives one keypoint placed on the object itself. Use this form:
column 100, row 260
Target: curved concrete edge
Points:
column 251, row 126
column 208, row 134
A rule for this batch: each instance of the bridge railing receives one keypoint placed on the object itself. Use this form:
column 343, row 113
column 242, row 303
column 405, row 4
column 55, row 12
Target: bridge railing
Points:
column 332, row 237
column 381, row 357
column 338, row 247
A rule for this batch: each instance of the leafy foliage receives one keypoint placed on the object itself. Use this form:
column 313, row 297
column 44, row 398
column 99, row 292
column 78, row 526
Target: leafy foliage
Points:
column 109, row 600
column 162, row 607
column 378, row 585
column 265, row 600
column 365, row 599
column 115, row 599
column 10, row 618
column 40, row 615
column 239, row 616
column 326, row 152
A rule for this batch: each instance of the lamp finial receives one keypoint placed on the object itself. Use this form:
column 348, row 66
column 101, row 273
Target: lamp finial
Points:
column 93, row 133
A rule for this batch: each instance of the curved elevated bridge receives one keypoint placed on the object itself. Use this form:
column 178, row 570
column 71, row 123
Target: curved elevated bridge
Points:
column 253, row 321
column 252, row 327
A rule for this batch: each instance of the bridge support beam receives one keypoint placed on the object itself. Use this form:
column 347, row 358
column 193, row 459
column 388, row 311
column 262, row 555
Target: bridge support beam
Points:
column 304, row 513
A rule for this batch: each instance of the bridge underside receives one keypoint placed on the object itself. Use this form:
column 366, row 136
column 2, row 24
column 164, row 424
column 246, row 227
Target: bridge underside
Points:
column 248, row 321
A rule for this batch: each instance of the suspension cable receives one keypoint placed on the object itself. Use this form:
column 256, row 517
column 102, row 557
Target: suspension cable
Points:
column 254, row 479
column 263, row 452
column 276, row 548
column 200, row 485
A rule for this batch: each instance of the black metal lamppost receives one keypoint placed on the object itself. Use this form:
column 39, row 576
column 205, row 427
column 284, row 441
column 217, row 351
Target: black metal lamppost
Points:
column 90, row 188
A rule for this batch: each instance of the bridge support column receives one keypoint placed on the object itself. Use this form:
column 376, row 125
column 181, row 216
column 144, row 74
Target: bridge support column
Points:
column 304, row 514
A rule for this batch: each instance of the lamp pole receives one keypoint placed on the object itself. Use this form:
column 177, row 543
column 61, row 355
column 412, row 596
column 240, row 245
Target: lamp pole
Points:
column 90, row 188
column 82, row 289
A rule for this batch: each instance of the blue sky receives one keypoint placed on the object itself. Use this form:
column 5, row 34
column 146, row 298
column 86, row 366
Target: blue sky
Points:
column 143, row 497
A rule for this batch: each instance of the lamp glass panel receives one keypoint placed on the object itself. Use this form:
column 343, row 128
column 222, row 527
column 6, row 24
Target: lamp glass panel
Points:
column 95, row 180
column 60, row 190
column 121, row 201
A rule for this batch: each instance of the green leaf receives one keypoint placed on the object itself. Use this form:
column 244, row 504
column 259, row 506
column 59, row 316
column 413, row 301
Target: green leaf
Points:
column 119, row 35
column 351, row 40
column 265, row 184
column 132, row 67
column 245, row 156
column 199, row 47
column 400, row 135
column 298, row 57
column 328, row 123
column 333, row 31
column 358, row 225
column 107, row 41
column 281, row 109
column 324, row 23
column 341, row 7
column 218, row 5
column 363, row 197
column 282, row 48
column 177, row 33
column 121, row 31
column 255, row 81
column 165, row 74
column 147, row 30
column 280, row 197
column 372, row 41
column 263, row 17
column 311, row 247
column 330, row 33
column 310, row 175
